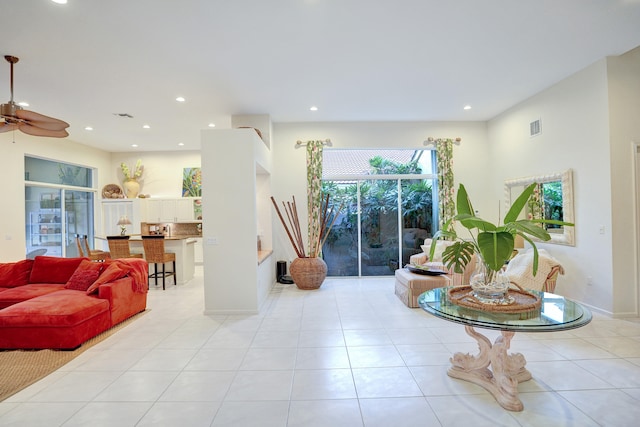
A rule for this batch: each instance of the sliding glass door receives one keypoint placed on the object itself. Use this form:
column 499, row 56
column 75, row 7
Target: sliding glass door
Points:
column 53, row 225
column 387, row 199
column 45, row 227
column 79, row 216
column 377, row 231
column 378, row 227
column 59, row 204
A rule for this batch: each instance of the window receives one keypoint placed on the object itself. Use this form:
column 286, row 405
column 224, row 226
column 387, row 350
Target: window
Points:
column 59, row 203
column 52, row 172
column 388, row 199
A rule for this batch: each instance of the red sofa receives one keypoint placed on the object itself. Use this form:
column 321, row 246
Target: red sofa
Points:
column 60, row 303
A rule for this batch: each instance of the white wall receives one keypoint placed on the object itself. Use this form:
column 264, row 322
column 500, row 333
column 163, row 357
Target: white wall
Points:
column 624, row 116
column 288, row 176
column 12, row 215
column 233, row 281
column 574, row 117
column 162, row 175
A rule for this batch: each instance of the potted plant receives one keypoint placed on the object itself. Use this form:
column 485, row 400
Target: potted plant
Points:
column 492, row 243
column 308, row 270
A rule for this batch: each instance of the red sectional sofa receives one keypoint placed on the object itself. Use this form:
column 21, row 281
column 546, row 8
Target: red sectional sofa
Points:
column 51, row 302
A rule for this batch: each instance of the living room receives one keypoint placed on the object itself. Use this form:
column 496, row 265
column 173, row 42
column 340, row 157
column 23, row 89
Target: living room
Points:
column 158, row 371
column 573, row 111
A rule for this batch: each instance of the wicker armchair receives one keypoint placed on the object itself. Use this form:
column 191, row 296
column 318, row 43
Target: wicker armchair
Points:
column 520, row 271
column 154, row 253
column 119, row 247
column 457, row 279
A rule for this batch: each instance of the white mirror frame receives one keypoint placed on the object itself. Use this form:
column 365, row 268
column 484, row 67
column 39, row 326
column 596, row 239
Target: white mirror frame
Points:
column 566, row 177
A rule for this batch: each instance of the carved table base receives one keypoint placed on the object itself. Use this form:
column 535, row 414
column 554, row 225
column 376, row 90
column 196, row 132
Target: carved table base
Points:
column 507, row 370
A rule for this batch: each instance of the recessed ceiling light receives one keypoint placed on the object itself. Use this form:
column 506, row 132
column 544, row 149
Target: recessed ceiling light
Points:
column 313, row 108
column 146, row 127
column 467, row 107
column 23, row 104
column 60, row 1
column 180, row 144
column 212, row 125
column 180, row 99
column 88, row 128
column 134, row 145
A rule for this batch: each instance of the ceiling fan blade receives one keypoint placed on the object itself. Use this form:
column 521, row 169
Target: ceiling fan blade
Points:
column 38, row 131
column 6, row 127
column 41, row 121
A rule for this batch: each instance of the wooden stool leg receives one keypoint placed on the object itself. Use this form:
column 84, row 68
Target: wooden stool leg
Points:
column 175, row 282
column 163, row 274
column 155, row 273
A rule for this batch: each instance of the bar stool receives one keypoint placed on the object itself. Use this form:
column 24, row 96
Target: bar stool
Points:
column 154, row 253
column 119, row 247
column 82, row 242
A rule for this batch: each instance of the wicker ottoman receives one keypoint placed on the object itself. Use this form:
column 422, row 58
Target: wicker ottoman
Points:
column 410, row 285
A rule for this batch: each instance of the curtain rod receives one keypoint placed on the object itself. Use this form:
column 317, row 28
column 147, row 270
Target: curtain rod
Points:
column 432, row 141
column 326, row 142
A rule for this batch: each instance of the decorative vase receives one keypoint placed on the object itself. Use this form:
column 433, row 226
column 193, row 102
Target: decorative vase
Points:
column 131, row 188
column 308, row 273
column 488, row 286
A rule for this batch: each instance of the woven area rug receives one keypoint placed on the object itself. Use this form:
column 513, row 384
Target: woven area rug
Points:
column 21, row 368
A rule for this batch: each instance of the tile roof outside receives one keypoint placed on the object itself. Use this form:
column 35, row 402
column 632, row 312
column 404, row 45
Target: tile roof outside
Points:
column 356, row 162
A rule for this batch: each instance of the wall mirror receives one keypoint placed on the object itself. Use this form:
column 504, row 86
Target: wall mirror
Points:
column 557, row 193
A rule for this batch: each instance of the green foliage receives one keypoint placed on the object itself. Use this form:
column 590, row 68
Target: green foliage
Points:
column 417, row 204
column 382, row 166
column 552, row 196
column 378, row 197
column 494, row 243
column 458, row 255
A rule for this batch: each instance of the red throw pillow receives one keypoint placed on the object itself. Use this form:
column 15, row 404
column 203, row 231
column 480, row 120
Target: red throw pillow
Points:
column 111, row 273
column 14, row 274
column 50, row 269
column 84, row 276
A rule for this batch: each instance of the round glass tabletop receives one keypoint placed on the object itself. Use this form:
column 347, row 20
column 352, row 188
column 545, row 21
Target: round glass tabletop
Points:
column 556, row 313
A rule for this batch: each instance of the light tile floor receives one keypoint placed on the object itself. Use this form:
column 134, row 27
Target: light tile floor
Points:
column 349, row 354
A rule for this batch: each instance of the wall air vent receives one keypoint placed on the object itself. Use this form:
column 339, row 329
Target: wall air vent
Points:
column 535, row 128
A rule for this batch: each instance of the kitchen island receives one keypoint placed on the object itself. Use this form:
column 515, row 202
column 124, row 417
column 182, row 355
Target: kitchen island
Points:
column 182, row 246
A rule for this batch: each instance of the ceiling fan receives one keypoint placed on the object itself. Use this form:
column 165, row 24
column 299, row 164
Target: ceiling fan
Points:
column 29, row 122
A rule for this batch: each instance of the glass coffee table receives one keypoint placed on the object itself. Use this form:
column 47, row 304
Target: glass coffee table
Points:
column 493, row 368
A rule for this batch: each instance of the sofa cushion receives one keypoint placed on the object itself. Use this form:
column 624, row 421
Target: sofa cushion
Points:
column 48, row 269
column 13, row 296
column 63, row 308
column 441, row 245
column 14, row 274
column 113, row 272
column 84, row 276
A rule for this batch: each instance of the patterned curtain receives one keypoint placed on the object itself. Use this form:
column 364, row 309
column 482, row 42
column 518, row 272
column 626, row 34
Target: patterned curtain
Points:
column 314, row 193
column 446, row 190
column 536, row 204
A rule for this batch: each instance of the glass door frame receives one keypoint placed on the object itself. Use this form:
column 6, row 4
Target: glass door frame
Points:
column 62, row 189
column 359, row 179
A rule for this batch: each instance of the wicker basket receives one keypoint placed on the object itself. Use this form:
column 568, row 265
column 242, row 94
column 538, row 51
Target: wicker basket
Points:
column 308, row 273
column 112, row 191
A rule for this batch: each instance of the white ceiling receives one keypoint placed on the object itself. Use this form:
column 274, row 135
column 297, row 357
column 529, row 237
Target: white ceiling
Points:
column 356, row 60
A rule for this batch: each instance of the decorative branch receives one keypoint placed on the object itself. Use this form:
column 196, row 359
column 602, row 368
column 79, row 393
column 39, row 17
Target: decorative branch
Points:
column 328, row 229
column 292, row 227
column 293, row 243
